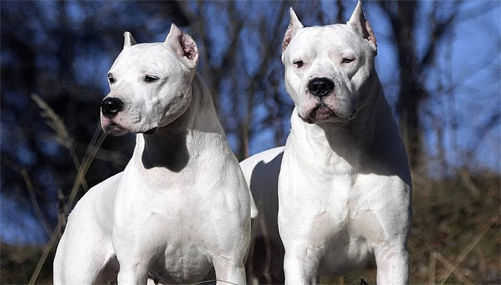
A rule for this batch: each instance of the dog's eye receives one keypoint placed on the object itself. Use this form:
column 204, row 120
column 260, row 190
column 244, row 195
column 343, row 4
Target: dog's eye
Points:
column 111, row 79
column 348, row 59
column 298, row 63
column 150, row 78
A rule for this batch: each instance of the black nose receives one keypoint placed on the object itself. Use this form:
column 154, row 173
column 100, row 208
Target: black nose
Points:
column 111, row 106
column 320, row 87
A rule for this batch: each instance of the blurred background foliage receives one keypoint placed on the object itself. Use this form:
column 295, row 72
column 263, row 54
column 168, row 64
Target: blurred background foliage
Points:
column 439, row 62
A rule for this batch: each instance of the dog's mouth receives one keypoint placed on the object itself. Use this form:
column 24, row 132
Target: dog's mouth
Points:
column 151, row 131
column 117, row 129
column 322, row 113
column 319, row 113
column 113, row 128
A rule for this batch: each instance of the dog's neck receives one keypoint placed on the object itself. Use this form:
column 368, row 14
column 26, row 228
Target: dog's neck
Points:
column 360, row 131
column 356, row 140
column 174, row 145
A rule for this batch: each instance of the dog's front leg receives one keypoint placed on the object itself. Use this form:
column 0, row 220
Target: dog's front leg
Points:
column 134, row 259
column 229, row 271
column 132, row 272
column 301, row 264
column 392, row 265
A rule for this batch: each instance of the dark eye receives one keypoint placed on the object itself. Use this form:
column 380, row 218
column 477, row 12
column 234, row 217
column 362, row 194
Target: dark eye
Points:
column 298, row 63
column 111, row 79
column 348, row 59
column 150, row 78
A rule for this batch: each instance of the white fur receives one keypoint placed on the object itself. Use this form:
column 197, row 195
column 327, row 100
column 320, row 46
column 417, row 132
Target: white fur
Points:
column 182, row 204
column 344, row 188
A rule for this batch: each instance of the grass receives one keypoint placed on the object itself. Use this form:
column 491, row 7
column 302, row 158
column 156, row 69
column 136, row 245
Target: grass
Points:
column 455, row 239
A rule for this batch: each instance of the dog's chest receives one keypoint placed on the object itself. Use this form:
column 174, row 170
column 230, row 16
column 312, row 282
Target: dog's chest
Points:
column 355, row 223
column 182, row 240
column 183, row 261
column 344, row 231
column 174, row 232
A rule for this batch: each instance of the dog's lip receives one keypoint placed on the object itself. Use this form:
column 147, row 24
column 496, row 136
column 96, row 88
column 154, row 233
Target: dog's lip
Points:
column 321, row 113
column 151, row 131
column 112, row 126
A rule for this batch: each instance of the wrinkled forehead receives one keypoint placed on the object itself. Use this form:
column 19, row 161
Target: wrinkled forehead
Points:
column 145, row 56
column 338, row 38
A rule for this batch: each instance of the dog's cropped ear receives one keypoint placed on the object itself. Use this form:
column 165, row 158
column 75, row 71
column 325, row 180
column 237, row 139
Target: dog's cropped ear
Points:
column 183, row 45
column 361, row 25
column 294, row 26
column 129, row 40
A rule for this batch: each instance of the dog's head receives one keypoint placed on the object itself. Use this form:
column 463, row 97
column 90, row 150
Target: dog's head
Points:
column 150, row 84
column 327, row 66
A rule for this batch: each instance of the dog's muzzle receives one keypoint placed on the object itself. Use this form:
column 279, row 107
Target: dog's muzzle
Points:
column 111, row 106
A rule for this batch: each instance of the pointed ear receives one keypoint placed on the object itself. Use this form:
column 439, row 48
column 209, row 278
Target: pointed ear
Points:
column 129, row 40
column 360, row 24
column 294, row 26
column 183, row 45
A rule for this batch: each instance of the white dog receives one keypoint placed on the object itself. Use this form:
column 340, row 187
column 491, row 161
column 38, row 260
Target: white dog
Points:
column 344, row 190
column 182, row 204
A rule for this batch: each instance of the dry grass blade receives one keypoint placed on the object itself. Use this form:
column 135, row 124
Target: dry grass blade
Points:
column 432, row 268
column 34, row 201
column 53, row 120
column 469, row 248
column 62, row 133
column 452, row 268
column 93, row 148
column 224, row 281
column 45, row 254
column 31, row 191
